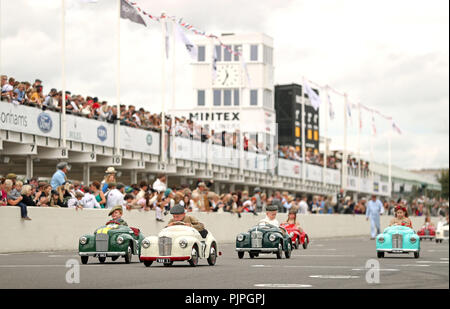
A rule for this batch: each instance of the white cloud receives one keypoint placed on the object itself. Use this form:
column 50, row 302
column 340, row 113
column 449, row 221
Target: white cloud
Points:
column 390, row 55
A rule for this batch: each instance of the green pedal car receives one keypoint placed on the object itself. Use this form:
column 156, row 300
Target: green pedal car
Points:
column 111, row 240
column 264, row 238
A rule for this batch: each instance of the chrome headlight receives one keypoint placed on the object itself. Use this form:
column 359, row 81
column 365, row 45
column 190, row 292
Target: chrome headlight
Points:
column 145, row 243
column 272, row 237
column 381, row 239
column 291, row 234
column 120, row 240
column 240, row 237
column 183, row 243
column 413, row 240
column 83, row 240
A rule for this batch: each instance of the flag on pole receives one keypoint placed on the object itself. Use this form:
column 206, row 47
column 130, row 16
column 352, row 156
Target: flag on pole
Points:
column 167, row 39
column 330, row 107
column 374, row 128
column 214, row 63
column 191, row 48
column 397, row 129
column 129, row 12
column 313, row 97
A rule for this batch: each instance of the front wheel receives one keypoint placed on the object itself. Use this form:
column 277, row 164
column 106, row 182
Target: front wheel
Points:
column 148, row 263
column 416, row 255
column 380, row 254
column 168, row 264
column 288, row 252
column 305, row 244
column 212, row 255
column 128, row 255
column 102, row 259
column 194, row 257
column 279, row 253
column 240, row 254
column 84, row 259
column 296, row 246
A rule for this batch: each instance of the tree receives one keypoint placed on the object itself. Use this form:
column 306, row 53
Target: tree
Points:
column 443, row 180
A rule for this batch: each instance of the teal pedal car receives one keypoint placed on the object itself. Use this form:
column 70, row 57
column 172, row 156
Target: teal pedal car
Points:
column 398, row 239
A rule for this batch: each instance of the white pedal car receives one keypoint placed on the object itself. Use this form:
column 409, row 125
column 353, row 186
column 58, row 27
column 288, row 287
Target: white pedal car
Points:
column 178, row 243
column 441, row 232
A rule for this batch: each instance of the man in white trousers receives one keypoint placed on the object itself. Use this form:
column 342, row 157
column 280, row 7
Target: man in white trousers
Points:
column 373, row 212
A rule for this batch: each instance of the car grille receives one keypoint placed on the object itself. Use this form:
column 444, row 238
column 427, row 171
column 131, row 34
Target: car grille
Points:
column 165, row 246
column 427, row 232
column 101, row 242
column 445, row 233
column 397, row 241
column 257, row 239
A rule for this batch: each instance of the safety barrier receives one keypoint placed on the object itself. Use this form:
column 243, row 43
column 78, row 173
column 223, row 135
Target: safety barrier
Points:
column 55, row 229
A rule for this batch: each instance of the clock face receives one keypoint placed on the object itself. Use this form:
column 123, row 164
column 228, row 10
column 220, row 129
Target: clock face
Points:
column 228, row 75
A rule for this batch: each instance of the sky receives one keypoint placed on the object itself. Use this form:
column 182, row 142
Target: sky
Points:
column 392, row 56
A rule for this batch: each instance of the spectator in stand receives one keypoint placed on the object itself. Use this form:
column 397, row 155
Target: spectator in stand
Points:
column 27, row 197
column 19, row 94
column 57, row 199
column 7, row 89
column 75, row 202
column 37, row 96
column 98, row 193
column 59, row 178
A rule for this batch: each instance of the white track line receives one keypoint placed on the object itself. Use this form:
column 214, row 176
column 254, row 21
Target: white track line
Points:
column 282, row 285
column 334, row 277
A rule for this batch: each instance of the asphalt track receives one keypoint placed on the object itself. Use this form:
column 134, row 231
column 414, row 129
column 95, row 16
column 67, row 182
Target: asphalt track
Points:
column 327, row 263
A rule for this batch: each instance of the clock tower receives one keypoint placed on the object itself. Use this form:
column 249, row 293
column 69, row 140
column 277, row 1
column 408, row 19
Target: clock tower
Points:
column 234, row 96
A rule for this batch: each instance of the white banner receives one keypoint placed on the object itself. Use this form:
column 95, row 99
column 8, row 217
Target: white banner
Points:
column 332, row 176
column 289, row 168
column 90, row 131
column 29, row 120
column 139, row 140
column 314, row 173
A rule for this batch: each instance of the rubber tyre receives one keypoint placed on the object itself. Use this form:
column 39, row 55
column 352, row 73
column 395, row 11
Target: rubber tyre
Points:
column 380, row 254
column 84, row 260
column 168, row 264
column 305, row 244
column 212, row 254
column 279, row 253
column 194, row 257
column 437, row 241
column 288, row 252
column 296, row 245
column 102, row 259
column 416, row 255
column 241, row 254
column 148, row 263
column 114, row 258
column 252, row 255
column 129, row 255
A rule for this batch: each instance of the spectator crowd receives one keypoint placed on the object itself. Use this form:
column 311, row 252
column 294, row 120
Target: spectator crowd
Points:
column 159, row 197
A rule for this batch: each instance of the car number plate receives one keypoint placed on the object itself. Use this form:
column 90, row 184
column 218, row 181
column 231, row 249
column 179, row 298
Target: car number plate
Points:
column 102, row 255
column 397, row 251
column 163, row 260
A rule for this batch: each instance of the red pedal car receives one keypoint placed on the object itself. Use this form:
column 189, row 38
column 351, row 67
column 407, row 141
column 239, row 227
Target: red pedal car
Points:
column 296, row 237
column 427, row 232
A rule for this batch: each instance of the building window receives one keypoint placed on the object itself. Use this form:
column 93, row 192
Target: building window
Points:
column 201, row 97
column 236, row 97
column 267, row 100
column 217, row 97
column 268, row 55
column 227, row 97
column 201, row 53
column 226, row 53
column 237, row 50
column 253, row 52
column 254, row 97
column 219, row 52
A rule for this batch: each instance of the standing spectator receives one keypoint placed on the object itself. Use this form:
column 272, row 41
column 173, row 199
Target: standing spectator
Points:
column 75, row 202
column 115, row 196
column 373, row 211
column 257, row 196
column 160, row 184
column 26, row 194
column 110, row 177
column 3, row 198
column 14, row 198
column 89, row 200
column 303, row 206
column 59, row 178
column 99, row 195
